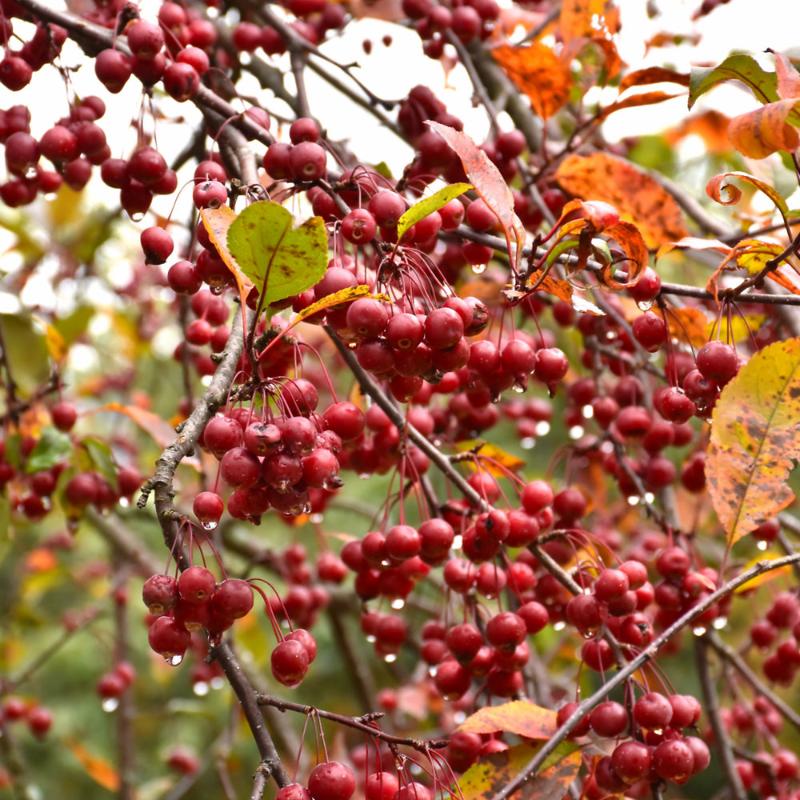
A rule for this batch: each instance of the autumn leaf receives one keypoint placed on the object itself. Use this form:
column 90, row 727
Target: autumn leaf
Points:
column 635, row 195
column 520, row 717
column 788, row 78
column 764, row 577
column 723, row 191
column 755, row 439
column 501, row 460
column 488, row 183
column 635, row 101
column 217, row 222
column 336, row 299
column 491, row 773
column 537, row 72
column 688, row 324
column 98, row 769
column 649, row 75
column 581, row 18
column 766, row 130
column 737, row 67
column 710, row 125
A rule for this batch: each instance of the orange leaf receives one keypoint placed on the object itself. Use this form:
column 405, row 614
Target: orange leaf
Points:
column 762, row 132
column 98, row 769
column 721, row 190
column 711, row 126
column 634, row 100
column 764, row 577
column 538, row 72
column 755, row 441
column 788, row 78
column 520, row 717
column 642, row 77
column 488, row 183
column 634, row 194
column 689, row 325
column 578, row 18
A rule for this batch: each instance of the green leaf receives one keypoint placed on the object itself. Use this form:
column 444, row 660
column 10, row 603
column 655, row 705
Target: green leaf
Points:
column 101, row 457
column 74, row 325
column 382, row 168
column 52, row 447
column 430, row 204
column 275, row 256
column 737, row 67
column 26, row 352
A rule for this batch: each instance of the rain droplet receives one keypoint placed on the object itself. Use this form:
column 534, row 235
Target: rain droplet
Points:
column 217, row 682
column 175, row 660
column 386, row 563
column 762, row 545
column 317, row 518
column 390, row 658
column 200, row 688
column 479, row 269
column 110, row 704
column 699, row 630
column 576, row 431
column 209, row 525
column 432, row 671
column 560, row 625
column 398, row 603
column 458, row 541
column 371, row 639
column 306, row 508
column 658, row 731
column 459, row 717
column 719, row 623
column 644, row 305
column 649, row 497
column 528, row 443
column 542, row 428
column 364, row 475
column 518, row 388
column 634, row 500
column 587, row 412
column 124, row 502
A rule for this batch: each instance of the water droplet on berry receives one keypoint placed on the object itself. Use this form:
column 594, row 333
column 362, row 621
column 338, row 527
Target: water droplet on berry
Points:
column 542, row 428
column 371, row 638
column 244, row 58
column 390, row 658
column 124, row 502
column 644, row 305
column 459, row 717
column 458, row 542
column 519, row 388
column 576, row 431
column 587, row 412
column 200, row 688
column 649, row 497
column 479, row 269
column 699, row 630
column 386, row 563
column 317, row 518
column 398, row 603
column 364, row 475
column 432, row 671
column 109, row 704
column 719, row 623
column 658, row 731
column 306, row 508
column 560, row 625
column 634, row 500
column 209, row 526
column 174, row 661
column 762, row 545
column 217, row 682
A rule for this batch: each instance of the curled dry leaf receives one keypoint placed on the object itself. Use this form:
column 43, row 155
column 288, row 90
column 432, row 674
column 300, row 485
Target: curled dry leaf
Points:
column 648, row 75
column 766, row 130
column 637, row 196
column 635, row 100
column 755, row 440
column 788, row 78
column 537, row 72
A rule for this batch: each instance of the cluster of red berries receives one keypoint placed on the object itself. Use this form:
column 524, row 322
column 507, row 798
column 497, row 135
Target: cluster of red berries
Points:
column 783, row 662
column 38, row 718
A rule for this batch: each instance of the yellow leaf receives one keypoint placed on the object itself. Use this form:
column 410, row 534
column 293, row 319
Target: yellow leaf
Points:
column 336, row 299
column 98, row 769
column 764, row 577
column 635, row 195
column 485, row 778
column 56, row 345
column 578, row 18
column 490, row 458
column 520, row 717
column 689, row 325
column 755, row 439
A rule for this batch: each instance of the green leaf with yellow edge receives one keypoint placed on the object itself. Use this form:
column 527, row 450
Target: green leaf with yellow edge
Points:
column 491, row 773
column 336, row 299
column 739, row 67
column 278, row 258
column 53, row 447
column 428, row 205
column 755, row 439
column 26, row 352
column 520, row 717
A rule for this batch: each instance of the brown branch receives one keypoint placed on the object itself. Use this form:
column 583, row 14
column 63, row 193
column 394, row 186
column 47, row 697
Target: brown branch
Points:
column 359, row 724
column 711, row 705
